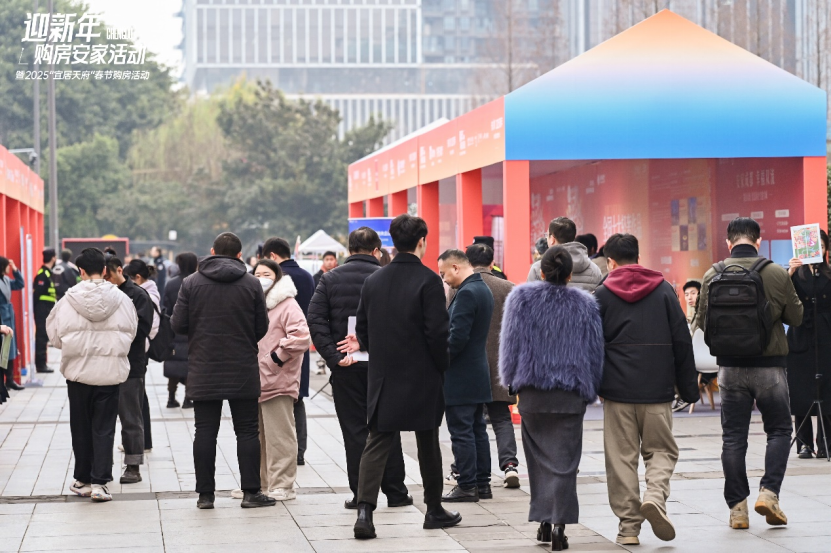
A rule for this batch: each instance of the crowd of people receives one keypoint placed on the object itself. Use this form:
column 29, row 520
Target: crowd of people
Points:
column 409, row 345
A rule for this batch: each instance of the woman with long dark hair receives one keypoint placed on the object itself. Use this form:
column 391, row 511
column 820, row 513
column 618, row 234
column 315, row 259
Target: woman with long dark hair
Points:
column 10, row 280
column 176, row 368
column 551, row 354
column 809, row 352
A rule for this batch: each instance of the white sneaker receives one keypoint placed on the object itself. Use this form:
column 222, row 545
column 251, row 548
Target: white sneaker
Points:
column 101, row 493
column 450, row 479
column 237, row 494
column 511, row 477
column 79, row 488
column 281, row 494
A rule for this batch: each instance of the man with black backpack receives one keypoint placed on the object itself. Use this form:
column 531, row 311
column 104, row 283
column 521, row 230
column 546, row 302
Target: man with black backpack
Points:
column 744, row 302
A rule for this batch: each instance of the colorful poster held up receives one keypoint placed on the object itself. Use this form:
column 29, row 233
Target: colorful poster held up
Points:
column 806, row 243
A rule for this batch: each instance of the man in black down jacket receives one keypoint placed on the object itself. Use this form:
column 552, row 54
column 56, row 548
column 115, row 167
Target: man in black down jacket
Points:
column 131, row 393
column 222, row 310
column 277, row 249
column 403, row 324
column 648, row 353
column 336, row 299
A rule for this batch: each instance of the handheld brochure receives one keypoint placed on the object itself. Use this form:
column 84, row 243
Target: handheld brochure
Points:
column 806, row 243
column 358, row 355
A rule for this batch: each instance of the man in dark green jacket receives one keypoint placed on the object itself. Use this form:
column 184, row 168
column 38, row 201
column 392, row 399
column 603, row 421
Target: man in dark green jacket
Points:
column 763, row 380
column 467, row 385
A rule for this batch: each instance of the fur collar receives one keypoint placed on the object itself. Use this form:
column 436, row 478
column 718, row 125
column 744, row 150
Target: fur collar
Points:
column 282, row 290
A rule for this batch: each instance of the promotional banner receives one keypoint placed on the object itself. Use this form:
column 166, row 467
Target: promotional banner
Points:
column 381, row 225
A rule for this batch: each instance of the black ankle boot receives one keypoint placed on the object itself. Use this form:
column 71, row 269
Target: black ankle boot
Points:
column 205, row 501
column 364, row 529
column 131, row 475
column 559, row 541
column 544, row 532
column 171, row 400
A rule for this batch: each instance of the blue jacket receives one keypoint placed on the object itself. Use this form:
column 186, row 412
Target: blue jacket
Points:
column 305, row 284
column 551, row 339
column 468, row 379
column 7, row 309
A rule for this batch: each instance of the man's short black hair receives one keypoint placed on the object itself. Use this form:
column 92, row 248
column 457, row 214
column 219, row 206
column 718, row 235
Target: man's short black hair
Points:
column 277, row 246
column 588, row 240
column 363, row 240
column 622, row 248
column 563, row 230
column 406, row 231
column 480, row 255
column 48, row 255
column 112, row 263
column 227, row 244
column 743, row 227
column 91, row 261
column 691, row 284
column 329, row 254
column 66, row 255
column 455, row 256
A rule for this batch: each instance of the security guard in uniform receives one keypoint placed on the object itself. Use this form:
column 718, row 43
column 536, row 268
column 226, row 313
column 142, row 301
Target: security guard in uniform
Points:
column 45, row 298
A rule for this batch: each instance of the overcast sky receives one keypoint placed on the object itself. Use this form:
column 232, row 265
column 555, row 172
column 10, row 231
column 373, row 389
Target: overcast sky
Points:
column 154, row 21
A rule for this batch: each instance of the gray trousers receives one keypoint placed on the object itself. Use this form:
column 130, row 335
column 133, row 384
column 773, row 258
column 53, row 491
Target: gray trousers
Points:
column 499, row 412
column 130, row 400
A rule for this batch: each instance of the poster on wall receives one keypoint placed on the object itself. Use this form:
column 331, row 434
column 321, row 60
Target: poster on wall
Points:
column 806, row 243
column 381, row 225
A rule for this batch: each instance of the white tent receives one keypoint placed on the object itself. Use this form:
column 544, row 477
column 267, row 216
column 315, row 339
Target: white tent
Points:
column 319, row 243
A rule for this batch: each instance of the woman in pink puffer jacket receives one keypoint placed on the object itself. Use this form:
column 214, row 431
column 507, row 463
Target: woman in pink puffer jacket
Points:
column 281, row 356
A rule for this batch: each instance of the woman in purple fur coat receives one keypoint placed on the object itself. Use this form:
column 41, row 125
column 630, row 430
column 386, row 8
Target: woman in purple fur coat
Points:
column 551, row 354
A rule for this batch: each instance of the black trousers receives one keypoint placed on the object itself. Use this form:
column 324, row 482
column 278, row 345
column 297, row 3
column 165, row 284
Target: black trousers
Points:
column 245, row 415
column 300, row 427
column 349, row 389
column 374, row 460
column 42, row 310
column 145, row 414
column 92, row 414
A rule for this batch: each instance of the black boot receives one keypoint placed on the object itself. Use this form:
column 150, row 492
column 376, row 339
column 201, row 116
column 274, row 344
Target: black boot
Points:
column 544, row 532
column 187, row 404
column 171, row 399
column 259, row 499
column 205, row 501
column 351, row 503
column 12, row 385
column 405, row 501
column 364, row 529
column 459, row 495
column 485, row 491
column 131, row 475
column 559, row 541
column 805, row 452
column 441, row 518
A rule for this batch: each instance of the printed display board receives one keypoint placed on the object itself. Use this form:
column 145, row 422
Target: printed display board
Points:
column 381, row 225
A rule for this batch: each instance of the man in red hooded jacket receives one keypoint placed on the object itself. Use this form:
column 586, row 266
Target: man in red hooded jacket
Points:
column 648, row 354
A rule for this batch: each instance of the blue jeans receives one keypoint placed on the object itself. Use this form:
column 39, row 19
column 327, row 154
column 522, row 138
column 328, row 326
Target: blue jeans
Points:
column 471, row 446
column 739, row 387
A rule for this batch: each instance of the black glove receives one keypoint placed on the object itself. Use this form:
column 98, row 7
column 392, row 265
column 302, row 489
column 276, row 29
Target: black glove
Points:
column 276, row 359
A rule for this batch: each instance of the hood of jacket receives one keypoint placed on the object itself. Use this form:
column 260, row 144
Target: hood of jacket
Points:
column 151, row 288
column 579, row 256
column 222, row 268
column 94, row 300
column 282, row 290
column 632, row 283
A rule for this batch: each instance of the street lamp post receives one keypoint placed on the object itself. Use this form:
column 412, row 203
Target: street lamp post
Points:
column 53, row 159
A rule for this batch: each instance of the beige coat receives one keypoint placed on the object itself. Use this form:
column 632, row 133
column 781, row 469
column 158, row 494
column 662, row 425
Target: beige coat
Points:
column 93, row 325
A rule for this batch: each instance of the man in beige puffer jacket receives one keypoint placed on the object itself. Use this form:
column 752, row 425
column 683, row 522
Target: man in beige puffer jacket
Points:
column 94, row 325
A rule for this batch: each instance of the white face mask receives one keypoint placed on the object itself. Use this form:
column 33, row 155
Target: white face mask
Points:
column 266, row 283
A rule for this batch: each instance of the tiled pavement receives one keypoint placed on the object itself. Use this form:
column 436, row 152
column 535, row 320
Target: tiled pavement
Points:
column 159, row 514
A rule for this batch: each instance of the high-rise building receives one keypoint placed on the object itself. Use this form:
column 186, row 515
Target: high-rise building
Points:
column 415, row 61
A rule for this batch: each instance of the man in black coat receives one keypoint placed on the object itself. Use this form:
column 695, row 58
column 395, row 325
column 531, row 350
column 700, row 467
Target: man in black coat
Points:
column 131, row 393
column 648, row 354
column 222, row 311
column 278, row 250
column 336, row 299
column 402, row 323
column 467, row 385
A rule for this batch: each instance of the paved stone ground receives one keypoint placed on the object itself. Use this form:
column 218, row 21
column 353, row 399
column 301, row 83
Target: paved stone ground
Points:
column 37, row 513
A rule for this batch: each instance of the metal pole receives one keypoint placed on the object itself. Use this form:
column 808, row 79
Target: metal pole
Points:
column 36, row 108
column 53, row 160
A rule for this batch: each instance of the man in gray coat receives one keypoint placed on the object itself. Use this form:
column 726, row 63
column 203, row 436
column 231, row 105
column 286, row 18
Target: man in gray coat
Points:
column 467, row 383
column 499, row 411
column 586, row 275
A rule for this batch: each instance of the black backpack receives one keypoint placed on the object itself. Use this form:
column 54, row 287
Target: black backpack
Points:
column 738, row 320
column 161, row 347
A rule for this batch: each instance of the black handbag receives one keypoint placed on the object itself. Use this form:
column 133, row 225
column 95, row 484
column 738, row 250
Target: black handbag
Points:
column 161, row 347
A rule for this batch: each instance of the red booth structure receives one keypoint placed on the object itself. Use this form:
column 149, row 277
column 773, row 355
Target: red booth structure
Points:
column 665, row 131
column 21, row 240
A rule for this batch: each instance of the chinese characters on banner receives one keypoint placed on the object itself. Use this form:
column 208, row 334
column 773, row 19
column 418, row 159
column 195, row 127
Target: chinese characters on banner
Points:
column 55, row 39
